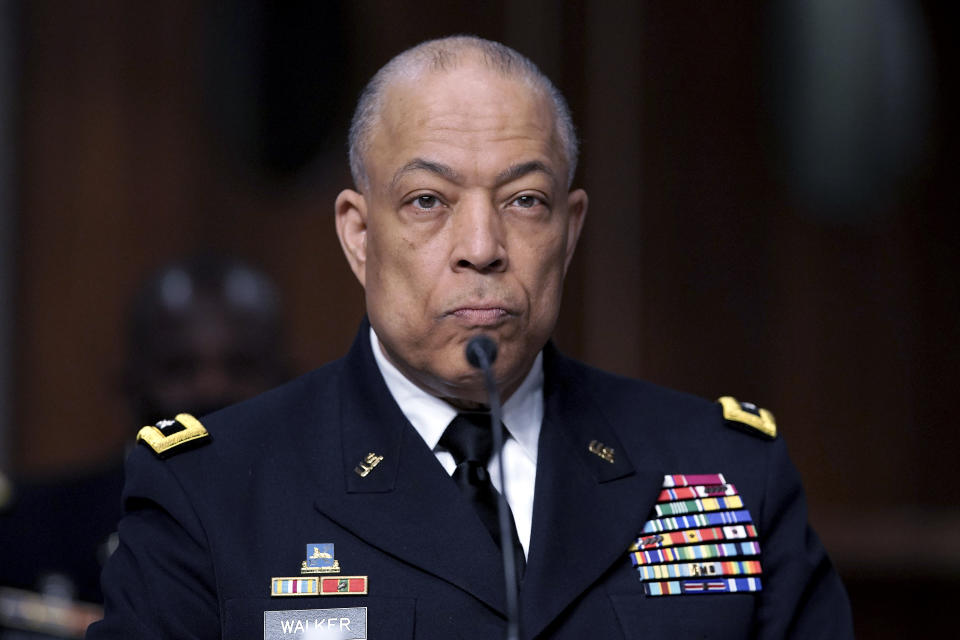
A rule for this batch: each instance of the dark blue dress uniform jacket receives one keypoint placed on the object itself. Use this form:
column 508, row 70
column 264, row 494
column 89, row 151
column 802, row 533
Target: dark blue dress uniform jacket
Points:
column 206, row 529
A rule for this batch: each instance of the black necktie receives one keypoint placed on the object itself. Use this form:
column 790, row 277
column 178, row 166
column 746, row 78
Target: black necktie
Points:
column 469, row 440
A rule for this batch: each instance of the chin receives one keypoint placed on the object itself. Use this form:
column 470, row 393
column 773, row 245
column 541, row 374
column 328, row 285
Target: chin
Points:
column 466, row 383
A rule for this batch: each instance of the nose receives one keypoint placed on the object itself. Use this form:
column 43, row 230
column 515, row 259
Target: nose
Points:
column 478, row 237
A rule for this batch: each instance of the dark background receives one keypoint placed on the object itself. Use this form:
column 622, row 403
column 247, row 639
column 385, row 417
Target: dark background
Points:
column 773, row 215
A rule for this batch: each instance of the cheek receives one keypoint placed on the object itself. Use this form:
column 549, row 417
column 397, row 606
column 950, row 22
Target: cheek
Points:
column 544, row 260
column 547, row 304
column 400, row 273
column 387, row 256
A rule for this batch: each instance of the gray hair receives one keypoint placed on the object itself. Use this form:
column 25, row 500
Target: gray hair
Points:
column 444, row 54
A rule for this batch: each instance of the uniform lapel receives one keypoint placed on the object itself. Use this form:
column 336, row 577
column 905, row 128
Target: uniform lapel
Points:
column 587, row 510
column 405, row 504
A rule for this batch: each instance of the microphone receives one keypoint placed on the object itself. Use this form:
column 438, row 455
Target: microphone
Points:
column 481, row 354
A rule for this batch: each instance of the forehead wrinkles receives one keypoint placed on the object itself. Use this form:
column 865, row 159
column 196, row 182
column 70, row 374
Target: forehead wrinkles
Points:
column 467, row 111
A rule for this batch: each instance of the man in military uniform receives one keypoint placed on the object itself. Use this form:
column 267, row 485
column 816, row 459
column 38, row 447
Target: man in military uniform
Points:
column 636, row 511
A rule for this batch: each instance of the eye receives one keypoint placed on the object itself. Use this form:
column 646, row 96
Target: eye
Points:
column 426, row 201
column 527, row 201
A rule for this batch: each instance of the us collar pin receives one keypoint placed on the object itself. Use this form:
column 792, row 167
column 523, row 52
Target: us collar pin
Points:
column 601, row 450
column 367, row 464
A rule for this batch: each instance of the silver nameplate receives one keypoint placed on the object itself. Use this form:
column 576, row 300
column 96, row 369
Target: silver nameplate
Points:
column 316, row 624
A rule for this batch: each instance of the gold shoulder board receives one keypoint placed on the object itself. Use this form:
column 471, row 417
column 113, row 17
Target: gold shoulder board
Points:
column 172, row 436
column 748, row 417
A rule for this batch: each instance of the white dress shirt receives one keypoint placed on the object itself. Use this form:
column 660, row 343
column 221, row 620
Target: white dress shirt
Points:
column 522, row 416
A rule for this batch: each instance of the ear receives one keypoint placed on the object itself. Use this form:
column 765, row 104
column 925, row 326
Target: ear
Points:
column 576, row 213
column 351, row 219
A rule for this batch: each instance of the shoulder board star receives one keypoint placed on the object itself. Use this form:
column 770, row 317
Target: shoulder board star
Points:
column 748, row 417
column 173, row 436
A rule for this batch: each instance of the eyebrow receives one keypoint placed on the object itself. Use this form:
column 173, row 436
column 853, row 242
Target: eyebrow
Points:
column 507, row 175
column 519, row 170
column 419, row 164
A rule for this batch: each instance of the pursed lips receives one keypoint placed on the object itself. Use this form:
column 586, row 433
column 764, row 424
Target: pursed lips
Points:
column 481, row 315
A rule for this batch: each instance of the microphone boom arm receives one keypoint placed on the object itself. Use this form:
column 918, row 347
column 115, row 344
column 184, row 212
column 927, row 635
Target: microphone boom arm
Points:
column 481, row 353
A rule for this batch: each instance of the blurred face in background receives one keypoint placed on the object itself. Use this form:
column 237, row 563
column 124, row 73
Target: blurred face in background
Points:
column 204, row 359
column 204, row 333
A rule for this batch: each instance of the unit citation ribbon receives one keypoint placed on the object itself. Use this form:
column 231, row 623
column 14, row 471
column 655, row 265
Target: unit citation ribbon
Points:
column 698, row 518
column 293, row 587
column 343, row 585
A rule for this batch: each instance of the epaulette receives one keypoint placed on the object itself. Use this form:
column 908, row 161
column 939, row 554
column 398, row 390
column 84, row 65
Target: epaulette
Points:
column 748, row 417
column 173, row 436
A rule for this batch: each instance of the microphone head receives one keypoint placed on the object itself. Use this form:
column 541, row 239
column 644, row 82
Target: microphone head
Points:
column 481, row 349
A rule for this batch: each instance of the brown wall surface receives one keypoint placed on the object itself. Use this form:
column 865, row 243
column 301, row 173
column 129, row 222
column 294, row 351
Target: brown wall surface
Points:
column 698, row 268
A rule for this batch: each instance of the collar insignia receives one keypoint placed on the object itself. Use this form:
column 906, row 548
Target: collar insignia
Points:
column 601, row 450
column 367, row 464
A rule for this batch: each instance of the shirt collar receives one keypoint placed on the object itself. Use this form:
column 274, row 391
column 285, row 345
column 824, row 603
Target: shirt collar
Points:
column 429, row 415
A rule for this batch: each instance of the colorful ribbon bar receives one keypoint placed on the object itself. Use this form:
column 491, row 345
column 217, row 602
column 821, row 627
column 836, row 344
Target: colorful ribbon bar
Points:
column 343, row 585
column 697, row 520
column 699, row 491
column 725, row 585
column 293, row 587
column 699, row 569
column 684, row 480
column 693, row 536
column 699, row 505
column 695, row 552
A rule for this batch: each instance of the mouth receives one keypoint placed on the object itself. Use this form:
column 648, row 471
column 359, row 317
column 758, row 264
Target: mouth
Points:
column 481, row 315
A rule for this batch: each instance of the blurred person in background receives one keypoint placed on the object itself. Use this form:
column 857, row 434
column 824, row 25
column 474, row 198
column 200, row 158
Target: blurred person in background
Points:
column 202, row 332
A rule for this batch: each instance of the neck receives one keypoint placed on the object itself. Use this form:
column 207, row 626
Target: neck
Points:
column 466, row 405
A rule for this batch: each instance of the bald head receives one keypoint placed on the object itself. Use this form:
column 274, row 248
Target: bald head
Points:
column 446, row 55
